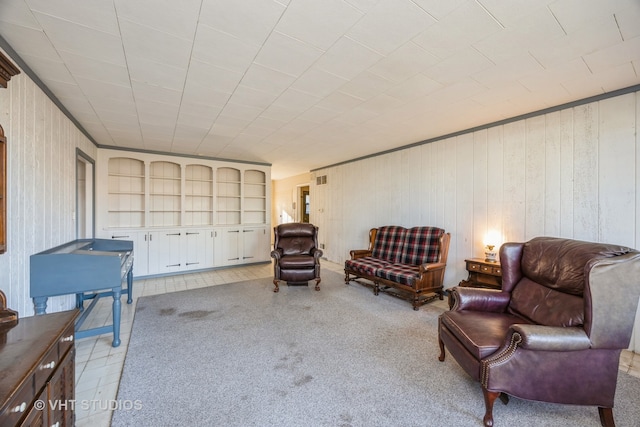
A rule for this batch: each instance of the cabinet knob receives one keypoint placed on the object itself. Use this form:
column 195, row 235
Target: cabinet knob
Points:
column 19, row 409
column 49, row 365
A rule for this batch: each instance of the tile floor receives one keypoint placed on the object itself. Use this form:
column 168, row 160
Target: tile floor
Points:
column 99, row 365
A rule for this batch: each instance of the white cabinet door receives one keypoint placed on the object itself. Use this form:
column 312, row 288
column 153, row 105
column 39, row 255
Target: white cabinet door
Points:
column 165, row 251
column 140, row 249
column 254, row 244
column 198, row 249
column 227, row 246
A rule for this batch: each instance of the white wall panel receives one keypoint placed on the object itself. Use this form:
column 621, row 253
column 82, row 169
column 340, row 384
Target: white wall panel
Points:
column 585, row 172
column 535, row 182
column 617, row 170
column 572, row 173
column 41, row 155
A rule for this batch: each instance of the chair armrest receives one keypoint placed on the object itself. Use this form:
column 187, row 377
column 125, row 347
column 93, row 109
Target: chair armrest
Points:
column 552, row 338
column 424, row 268
column 277, row 254
column 479, row 299
column 359, row 253
column 317, row 253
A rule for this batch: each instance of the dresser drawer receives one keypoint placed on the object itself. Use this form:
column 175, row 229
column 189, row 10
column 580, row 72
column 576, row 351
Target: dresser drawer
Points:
column 19, row 405
column 66, row 341
column 45, row 368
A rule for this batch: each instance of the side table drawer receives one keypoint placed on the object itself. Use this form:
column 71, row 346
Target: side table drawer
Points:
column 486, row 269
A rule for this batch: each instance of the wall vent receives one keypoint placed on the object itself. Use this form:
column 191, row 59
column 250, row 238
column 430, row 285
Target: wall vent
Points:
column 321, row 180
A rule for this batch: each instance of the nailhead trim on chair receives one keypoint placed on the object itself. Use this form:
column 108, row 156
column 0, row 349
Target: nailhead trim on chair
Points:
column 516, row 339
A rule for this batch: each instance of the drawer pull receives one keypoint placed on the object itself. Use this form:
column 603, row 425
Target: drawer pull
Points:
column 67, row 339
column 19, row 409
column 49, row 365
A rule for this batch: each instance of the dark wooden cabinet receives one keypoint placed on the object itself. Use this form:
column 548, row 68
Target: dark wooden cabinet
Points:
column 483, row 274
column 37, row 362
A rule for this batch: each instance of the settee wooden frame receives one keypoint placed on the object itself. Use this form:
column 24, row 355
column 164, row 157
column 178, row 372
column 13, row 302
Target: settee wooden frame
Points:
column 428, row 285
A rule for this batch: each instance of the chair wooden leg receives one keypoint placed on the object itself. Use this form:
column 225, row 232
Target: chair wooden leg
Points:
column 277, row 288
column 606, row 417
column 442, row 353
column 318, row 284
column 489, row 398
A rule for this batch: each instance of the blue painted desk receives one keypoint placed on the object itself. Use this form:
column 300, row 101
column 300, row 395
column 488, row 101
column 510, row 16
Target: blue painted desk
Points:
column 89, row 268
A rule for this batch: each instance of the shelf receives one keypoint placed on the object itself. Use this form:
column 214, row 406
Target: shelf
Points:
column 198, row 180
column 128, row 193
column 125, row 175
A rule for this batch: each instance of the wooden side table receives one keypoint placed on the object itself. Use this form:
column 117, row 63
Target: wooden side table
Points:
column 483, row 274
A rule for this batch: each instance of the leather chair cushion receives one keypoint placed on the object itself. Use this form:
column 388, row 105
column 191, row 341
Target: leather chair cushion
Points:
column 546, row 306
column 560, row 263
column 481, row 333
column 294, row 262
column 296, row 245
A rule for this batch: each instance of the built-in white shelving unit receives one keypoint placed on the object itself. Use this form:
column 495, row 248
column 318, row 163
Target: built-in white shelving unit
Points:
column 198, row 195
column 255, row 197
column 165, row 194
column 126, row 193
column 183, row 214
column 228, row 196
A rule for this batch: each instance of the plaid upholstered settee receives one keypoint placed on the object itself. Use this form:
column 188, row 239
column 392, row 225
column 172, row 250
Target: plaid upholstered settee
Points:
column 406, row 262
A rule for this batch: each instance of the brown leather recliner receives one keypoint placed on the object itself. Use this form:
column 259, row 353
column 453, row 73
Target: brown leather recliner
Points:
column 555, row 330
column 296, row 254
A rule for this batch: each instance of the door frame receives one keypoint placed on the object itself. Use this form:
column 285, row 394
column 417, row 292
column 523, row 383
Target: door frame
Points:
column 85, row 200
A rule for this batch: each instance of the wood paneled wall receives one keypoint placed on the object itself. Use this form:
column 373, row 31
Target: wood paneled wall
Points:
column 572, row 173
column 41, row 164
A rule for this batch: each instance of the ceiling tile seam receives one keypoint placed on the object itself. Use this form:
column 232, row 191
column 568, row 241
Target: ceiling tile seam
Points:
column 490, row 14
column 184, row 84
column 126, row 61
column 615, row 18
column 557, row 20
column 198, row 148
column 424, row 10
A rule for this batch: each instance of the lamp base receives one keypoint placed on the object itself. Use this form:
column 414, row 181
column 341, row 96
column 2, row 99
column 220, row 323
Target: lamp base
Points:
column 491, row 256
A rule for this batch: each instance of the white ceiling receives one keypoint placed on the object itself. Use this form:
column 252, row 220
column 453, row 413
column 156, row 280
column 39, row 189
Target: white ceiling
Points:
column 304, row 84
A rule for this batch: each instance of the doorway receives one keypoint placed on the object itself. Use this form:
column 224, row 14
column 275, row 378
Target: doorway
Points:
column 304, row 201
column 85, row 199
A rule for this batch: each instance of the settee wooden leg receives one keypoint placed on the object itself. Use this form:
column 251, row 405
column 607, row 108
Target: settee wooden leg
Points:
column 489, row 398
column 277, row 288
column 606, row 417
column 318, row 284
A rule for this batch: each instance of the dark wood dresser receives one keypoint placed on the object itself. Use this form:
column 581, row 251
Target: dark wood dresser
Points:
column 37, row 375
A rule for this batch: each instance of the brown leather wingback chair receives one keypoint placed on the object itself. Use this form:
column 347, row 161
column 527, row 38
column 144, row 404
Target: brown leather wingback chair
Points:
column 555, row 330
column 296, row 254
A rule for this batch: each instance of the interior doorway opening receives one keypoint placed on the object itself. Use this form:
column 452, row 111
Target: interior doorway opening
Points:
column 85, row 199
column 304, row 201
